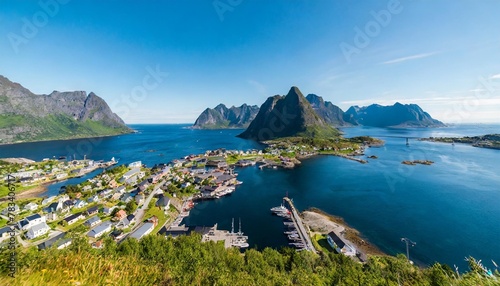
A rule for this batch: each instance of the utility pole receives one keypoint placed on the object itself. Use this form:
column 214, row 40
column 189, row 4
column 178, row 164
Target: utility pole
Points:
column 408, row 244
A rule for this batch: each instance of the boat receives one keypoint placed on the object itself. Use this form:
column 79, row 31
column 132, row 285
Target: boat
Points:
column 291, row 232
column 288, row 223
column 239, row 239
column 280, row 209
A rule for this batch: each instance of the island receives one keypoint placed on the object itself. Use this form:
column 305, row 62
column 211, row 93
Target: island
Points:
column 490, row 141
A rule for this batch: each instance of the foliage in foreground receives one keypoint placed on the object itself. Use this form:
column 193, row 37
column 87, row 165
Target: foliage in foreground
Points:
column 186, row 261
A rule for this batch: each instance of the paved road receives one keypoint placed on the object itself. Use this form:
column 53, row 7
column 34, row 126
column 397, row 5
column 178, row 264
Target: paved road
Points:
column 139, row 213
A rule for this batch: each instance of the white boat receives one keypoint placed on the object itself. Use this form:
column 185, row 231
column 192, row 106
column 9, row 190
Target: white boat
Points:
column 280, row 209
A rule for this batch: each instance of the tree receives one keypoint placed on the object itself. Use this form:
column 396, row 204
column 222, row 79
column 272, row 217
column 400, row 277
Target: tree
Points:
column 131, row 207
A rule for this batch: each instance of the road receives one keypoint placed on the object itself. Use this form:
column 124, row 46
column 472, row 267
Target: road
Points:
column 139, row 213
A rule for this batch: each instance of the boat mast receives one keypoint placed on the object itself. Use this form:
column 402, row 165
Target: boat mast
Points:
column 232, row 226
column 239, row 232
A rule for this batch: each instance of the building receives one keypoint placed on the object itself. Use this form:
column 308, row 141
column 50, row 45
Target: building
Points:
column 37, row 230
column 130, row 174
column 139, row 199
column 31, row 207
column 163, row 202
column 48, row 200
column 100, row 229
column 54, row 207
column 92, row 211
column 30, row 221
column 59, row 241
column 136, row 164
column 5, row 232
column 74, row 218
column 93, row 199
column 93, row 221
column 80, row 204
column 121, row 214
column 340, row 244
column 6, row 211
column 144, row 230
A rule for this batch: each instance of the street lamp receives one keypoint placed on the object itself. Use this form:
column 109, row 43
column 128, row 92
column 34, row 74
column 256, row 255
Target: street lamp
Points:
column 408, row 244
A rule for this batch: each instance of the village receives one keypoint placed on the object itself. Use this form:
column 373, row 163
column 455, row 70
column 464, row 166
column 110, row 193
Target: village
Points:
column 126, row 200
column 133, row 200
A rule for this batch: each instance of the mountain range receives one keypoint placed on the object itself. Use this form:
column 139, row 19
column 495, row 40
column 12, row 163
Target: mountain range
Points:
column 25, row 116
column 397, row 115
column 285, row 116
column 223, row 117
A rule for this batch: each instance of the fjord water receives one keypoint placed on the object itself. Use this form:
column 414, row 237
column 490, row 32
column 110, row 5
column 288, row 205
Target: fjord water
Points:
column 450, row 209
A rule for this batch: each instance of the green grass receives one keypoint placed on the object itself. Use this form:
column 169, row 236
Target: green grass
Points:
column 162, row 218
column 11, row 120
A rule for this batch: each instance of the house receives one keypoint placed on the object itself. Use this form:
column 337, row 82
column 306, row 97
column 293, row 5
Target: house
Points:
column 6, row 211
column 123, row 223
column 61, row 176
column 31, row 206
column 100, row 229
column 93, row 199
column 105, row 193
column 175, row 231
column 5, row 232
column 48, row 200
column 139, row 199
column 340, row 244
column 30, row 221
column 54, row 207
column 136, row 164
column 163, row 202
column 87, row 188
column 225, row 179
column 68, row 204
column 117, row 234
column 80, row 204
column 93, row 221
column 92, row 211
column 120, row 189
column 37, row 230
column 121, row 214
column 131, row 218
column 74, row 218
column 108, row 210
column 142, row 231
column 98, row 244
column 153, row 220
column 130, row 174
column 127, row 197
column 59, row 241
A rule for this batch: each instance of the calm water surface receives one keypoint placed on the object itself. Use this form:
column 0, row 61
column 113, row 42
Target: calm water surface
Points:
column 450, row 209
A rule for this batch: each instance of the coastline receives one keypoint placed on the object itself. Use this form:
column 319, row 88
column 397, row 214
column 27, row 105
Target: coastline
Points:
column 315, row 217
column 67, row 139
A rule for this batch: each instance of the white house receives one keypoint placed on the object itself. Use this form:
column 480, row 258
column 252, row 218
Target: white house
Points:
column 48, row 200
column 93, row 221
column 80, row 204
column 144, row 230
column 100, row 229
column 136, row 164
column 93, row 199
column 340, row 244
column 74, row 218
column 30, row 221
column 6, row 211
column 31, row 206
column 37, row 230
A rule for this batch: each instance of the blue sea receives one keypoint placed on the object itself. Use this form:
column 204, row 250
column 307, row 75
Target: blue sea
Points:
column 451, row 209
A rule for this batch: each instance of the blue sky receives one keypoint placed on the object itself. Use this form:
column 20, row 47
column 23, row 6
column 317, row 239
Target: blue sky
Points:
column 166, row 61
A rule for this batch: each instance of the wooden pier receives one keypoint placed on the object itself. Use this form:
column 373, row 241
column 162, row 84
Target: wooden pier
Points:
column 304, row 236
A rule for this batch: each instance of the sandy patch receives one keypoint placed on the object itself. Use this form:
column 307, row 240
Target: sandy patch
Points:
column 321, row 222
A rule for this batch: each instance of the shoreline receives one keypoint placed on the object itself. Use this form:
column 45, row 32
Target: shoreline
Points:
column 328, row 222
column 67, row 139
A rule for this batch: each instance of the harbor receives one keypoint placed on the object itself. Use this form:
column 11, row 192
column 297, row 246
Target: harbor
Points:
column 295, row 230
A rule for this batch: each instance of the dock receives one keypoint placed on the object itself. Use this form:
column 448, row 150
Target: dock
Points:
column 301, row 231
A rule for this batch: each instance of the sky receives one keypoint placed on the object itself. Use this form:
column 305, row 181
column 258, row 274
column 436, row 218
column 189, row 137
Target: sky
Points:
column 166, row 61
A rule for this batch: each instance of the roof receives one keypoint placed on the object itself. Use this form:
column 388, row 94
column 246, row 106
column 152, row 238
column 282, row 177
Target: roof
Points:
column 93, row 219
column 33, row 217
column 337, row 239
column 100, row 228
column 93, row 209
column 132, row 172
column 121, row 213
column 52, row 206
column 131, row 217
column 163, row 201
column 175, row 231
column 72, row 217
column 56, row 240
column 4, row 230
column 39, row 226
column 139, row 233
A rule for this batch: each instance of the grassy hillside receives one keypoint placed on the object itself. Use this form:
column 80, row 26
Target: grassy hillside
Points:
column 53, row 127
column 186, row 261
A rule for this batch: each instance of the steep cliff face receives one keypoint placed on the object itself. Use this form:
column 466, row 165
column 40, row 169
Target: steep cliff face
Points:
column 291, row 115
column 25, row 116
column 397, row 115
column 223, row 117
column 331, row 113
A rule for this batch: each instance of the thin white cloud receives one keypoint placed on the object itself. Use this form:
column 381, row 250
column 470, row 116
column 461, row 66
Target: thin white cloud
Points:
column 409, row 58
column 258, row 86
column 497, row 76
